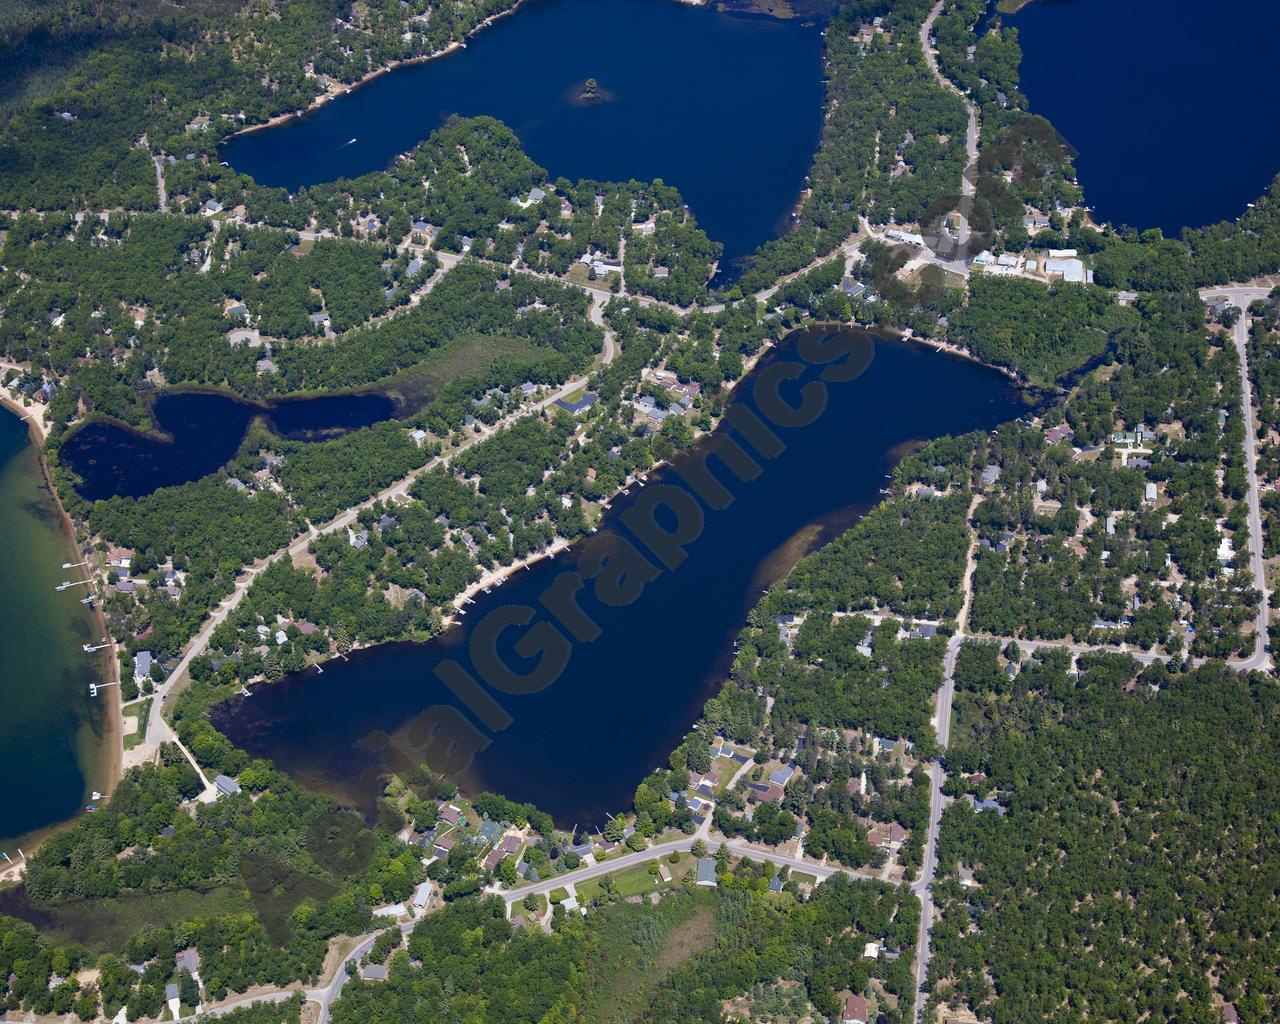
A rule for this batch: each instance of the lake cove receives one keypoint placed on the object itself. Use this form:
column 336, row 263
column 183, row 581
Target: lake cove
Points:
column 201, row 433
column 725, row 108
column 53, row 750
column 578, row 748
column 1168, row 103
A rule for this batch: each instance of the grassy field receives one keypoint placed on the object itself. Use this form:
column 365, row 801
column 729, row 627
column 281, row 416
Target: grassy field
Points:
column 578, row 275
column 139, row 712
column 419, row 385
column 639, row 946
column 106, row 924
column 634, row 881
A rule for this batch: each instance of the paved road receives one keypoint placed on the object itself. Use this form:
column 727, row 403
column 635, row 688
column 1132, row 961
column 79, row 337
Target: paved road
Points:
column 324, row 996
column 1242, row 297
column 157, row 729
column 738, row 847
column 923, row 885
column 1260, row 659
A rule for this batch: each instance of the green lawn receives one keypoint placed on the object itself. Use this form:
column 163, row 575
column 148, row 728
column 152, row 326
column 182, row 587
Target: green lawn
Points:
column 142, row 710
column 634, row 881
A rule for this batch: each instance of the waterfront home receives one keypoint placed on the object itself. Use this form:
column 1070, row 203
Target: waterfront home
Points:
column 120, row 558
column 226, row 786
column 450, row 815
column 141, row 664
column 853, row 289
column 706, row 872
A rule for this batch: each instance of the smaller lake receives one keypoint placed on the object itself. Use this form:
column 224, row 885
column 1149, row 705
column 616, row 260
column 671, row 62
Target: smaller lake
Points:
column 624, row 701
column 1168, row 102
column 726, row 108
column 202, row 434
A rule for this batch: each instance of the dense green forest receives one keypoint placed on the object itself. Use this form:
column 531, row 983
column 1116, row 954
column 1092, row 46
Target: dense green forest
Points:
column 673, row 961
column 1133, row 872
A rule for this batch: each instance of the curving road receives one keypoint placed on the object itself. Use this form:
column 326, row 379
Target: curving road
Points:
column 157, row 729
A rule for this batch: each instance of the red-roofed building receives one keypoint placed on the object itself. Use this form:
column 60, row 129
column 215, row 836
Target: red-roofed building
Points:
column 855, row 1010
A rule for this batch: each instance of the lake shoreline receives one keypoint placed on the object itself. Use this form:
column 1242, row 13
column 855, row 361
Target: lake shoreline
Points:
column 250, row 728
column 104, row 769
column 334, row 91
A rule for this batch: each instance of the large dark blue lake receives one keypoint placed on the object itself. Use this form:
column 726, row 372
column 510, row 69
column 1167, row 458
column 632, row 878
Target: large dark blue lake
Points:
column 726, row 108
column 1171, row 103
column 578, row 748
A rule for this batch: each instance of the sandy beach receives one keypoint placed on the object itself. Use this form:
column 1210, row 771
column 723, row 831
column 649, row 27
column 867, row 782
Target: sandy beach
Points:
column 104, row 769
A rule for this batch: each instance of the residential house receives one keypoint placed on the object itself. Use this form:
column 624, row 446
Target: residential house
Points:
column 855, row 1010
column 374, row 972
column 706, row 872
column 783, row 775
column 583, row 402
column 226, row 786
column 450, row 814
column 141, row 661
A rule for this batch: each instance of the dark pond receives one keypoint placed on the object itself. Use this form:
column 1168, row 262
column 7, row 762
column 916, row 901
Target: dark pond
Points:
column 578, row 747
column 1168, row 102
column 726, row 108
column 202, row 433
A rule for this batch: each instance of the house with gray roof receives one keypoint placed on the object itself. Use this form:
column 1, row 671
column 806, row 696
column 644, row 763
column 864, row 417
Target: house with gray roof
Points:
column 706, row 872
